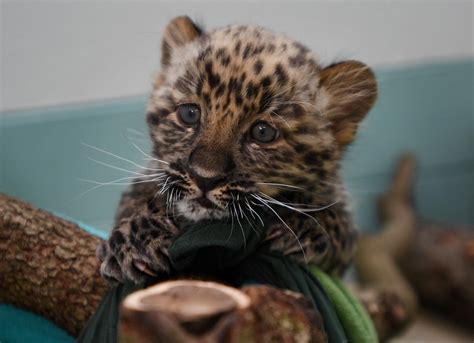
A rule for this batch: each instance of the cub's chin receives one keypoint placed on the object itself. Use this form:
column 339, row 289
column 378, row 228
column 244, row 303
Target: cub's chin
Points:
column 200, row 209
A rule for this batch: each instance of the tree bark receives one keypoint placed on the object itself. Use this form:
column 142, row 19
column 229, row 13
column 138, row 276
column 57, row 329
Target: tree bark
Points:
column 48, row 265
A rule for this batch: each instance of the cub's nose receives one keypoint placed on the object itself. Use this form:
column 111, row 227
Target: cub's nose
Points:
column 209, row 167
column 206, row 184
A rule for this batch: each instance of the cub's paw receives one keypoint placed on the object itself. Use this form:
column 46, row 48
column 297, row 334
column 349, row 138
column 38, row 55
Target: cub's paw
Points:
column 137, row 250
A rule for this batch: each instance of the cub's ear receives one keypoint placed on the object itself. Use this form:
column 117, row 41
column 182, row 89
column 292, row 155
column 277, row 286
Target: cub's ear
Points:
column 348, row 91
column 178, row 32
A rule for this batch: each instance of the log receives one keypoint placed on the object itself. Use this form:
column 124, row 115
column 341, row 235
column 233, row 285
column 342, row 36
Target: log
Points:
column 202, row 311
column 48, row 265
column 391, row 300
column 411, row 261
column 440, row 266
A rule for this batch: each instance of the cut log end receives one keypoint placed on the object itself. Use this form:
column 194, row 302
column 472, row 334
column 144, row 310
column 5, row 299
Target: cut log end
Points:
column 179, row 310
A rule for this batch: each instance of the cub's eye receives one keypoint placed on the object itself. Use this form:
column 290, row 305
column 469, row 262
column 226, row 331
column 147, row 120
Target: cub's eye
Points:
column 264, row 133
column 189, row 114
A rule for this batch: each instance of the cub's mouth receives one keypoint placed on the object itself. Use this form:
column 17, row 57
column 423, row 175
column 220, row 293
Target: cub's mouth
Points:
column 205, row 202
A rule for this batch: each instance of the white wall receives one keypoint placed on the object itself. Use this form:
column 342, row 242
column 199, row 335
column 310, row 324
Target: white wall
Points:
column 70, row 52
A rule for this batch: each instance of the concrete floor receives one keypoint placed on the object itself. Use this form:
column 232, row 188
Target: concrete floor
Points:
column 431, row 328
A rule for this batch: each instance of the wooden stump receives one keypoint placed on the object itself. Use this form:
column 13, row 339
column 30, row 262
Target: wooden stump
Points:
column 199, row 311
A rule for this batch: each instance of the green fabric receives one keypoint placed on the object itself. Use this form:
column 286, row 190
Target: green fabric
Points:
column 356, row 322
column 214, row 246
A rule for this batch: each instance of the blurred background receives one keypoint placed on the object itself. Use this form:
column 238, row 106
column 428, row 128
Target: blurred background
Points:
column 79, row 72
column 75, row 78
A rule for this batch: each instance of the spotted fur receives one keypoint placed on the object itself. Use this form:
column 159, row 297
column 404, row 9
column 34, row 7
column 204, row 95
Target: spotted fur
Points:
column 240, row 75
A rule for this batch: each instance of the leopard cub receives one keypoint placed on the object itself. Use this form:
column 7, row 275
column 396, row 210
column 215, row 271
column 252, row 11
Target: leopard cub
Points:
column 241, row 117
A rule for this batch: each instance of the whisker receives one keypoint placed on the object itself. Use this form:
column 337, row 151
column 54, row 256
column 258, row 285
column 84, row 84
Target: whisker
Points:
column 241, row 228
column 279, row 185
column 115, row 167
column 285, row 224
column 232, row 219
column 115, row 183
column 288, row 205
column 254, row 212
column 149, row 157
column 119, row 157
column 248, row 220
column 135, row 132
column 276, row 202
column 279, row 116
column 161, row 191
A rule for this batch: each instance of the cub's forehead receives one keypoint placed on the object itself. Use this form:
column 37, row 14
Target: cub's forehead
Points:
column 252, row 42
column 250, row 51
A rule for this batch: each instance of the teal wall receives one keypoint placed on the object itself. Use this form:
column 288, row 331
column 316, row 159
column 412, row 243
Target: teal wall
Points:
column 427, row 109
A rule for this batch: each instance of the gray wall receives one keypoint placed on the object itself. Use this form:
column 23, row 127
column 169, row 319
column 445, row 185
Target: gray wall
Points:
column 55, row 52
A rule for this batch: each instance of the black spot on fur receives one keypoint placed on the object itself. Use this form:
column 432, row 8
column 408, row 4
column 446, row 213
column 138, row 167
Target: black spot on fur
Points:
column 282, row 77
column 152, row 207
column 271, row 48
column 116, row 239
column 134, row 226
column 144, row 223
column 297, row 110
column 237, row 47
column 247, row 50
column 154, row 234
column 304, row 129
column 223, row 56
column 207, row 99
column 154, row 223
column 219, row 91
column 266, row 81
column 300, row 47
column 225, row 61
column 297, row 61
column 258, row 50
column 299, row 148
column 325, row 155
column 265, row 101
column 152, row 118
column 251, row 90
column 238, row 100
column 212, row 78
column 257, row 67
column 312, row 158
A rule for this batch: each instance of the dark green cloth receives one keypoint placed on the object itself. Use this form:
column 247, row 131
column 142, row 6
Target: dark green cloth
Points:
column 234, row 253
column 238, row 255
column 102, row 327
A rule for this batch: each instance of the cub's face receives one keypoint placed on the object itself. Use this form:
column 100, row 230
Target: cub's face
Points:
column 242, row 113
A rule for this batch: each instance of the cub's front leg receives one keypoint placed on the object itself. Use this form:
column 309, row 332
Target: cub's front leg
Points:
column 137, row 247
